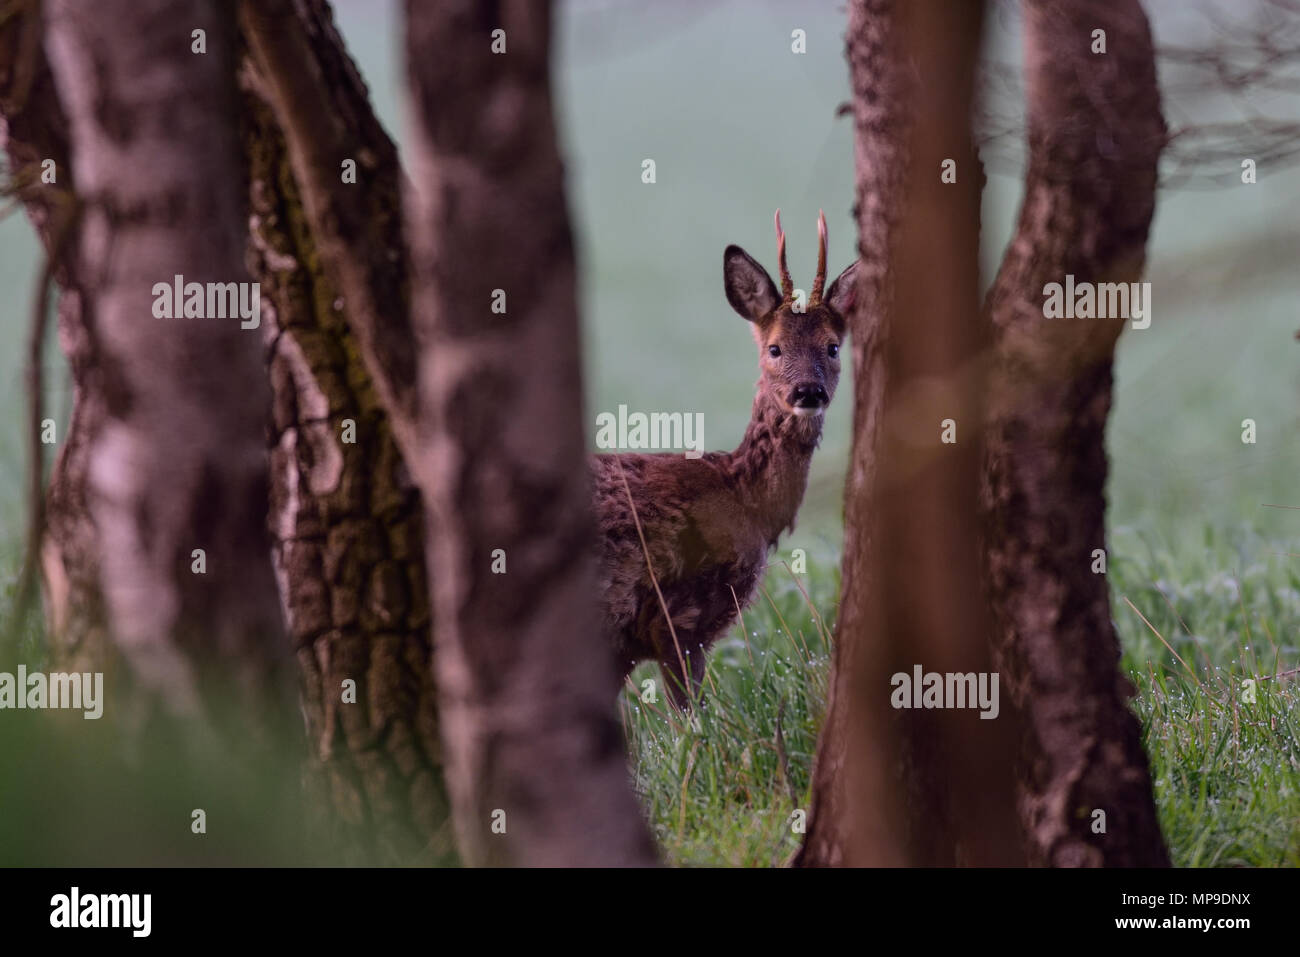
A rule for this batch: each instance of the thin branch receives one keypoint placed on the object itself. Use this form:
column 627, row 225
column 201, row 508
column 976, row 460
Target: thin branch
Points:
column 654, row 579
column 62, row 231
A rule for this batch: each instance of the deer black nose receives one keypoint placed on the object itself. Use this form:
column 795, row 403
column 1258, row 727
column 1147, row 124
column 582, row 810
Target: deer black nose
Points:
column 809, row 395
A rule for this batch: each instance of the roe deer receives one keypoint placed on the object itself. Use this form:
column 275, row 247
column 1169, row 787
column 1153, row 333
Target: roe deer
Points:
column 706, row 524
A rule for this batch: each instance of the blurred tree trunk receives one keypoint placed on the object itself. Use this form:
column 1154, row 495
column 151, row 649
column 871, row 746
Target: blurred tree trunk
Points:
column 852, row 720
column 959, row 765
column 345, row 518
column 911, row 595
column 175, row 462
column 1095, row 135
column 535, row 760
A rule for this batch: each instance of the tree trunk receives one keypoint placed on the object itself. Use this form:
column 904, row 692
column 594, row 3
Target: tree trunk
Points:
column 177, row 464
column 346, row 517
column 347, row 531
column 324, row 114
column 535, row 762
column 1095, row 134
column 959, row 759
column 880, row 128
column 911, row 592
column 345, row 507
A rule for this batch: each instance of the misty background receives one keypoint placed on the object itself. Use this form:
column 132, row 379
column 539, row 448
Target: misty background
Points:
column 738, row 125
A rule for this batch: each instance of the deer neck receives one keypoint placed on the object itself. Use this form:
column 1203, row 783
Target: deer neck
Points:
column 770, row 466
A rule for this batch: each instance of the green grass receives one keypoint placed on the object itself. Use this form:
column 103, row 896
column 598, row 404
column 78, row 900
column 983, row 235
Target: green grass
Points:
column 1227, row 773
column 120, row 791
column 715, row 787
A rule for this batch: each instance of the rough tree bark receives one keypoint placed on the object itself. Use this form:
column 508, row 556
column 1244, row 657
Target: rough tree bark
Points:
column 348, row 538
column 880, row 126
column 321, row 104
column 1095, row 134
column 346, row 518
column 535, row 760
column 351, row 536
column 177, row 461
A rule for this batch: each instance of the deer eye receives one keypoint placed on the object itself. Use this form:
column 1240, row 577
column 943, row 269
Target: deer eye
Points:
column 833, row 350
column 774, row 351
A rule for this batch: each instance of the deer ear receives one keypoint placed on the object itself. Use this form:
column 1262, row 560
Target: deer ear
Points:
column 843, row 291
column 750, row 289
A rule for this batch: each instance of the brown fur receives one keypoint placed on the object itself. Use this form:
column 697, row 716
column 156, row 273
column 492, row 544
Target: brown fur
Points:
column 710, row 522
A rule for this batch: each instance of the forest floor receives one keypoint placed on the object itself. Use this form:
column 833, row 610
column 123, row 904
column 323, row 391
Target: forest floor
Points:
column 1226, row 770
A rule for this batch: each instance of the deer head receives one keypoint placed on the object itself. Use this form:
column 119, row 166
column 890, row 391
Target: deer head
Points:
column 798, row 351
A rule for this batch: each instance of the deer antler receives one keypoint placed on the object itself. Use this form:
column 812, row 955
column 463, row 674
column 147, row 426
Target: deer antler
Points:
column 787, row 284
column 819, row 281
